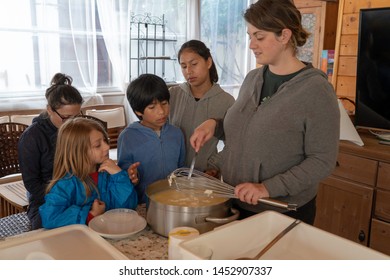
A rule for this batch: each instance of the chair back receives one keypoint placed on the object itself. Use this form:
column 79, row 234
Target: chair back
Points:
column 24, row 119
column 103, row 123
column 9, row 137
column 113, row 114
column 4, row 119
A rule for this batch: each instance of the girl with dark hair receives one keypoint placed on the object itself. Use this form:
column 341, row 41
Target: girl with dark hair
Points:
column 85, row 183
column 37, row 144
column 198, row 99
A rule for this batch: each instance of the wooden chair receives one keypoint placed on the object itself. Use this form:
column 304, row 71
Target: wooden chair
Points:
column 24, row 119
column 103, row 123
column 20, row 116
column 4, row 119
column 113, row 114
column 12, row 199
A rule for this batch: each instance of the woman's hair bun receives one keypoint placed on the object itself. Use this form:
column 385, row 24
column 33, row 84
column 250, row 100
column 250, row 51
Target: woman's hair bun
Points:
column 61, row 79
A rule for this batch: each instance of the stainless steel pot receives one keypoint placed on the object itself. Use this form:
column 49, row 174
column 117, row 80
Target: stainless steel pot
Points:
column 162, row 217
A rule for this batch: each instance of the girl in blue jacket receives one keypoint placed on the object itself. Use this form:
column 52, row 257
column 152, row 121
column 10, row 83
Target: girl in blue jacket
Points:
column 85, row 183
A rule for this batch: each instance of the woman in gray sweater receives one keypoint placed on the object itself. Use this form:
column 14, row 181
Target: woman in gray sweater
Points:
column 282, row 133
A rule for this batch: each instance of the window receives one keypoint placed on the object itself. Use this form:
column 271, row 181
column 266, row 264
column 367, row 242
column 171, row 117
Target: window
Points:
column 158, row 30
column 89, row 40
column 43, row 37
column 223, row 30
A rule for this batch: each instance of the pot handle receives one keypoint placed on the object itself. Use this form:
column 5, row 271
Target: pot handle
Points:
column 226, row 220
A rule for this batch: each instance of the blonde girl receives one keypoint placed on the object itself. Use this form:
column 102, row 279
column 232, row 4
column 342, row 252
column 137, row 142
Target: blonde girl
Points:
column 85, row 183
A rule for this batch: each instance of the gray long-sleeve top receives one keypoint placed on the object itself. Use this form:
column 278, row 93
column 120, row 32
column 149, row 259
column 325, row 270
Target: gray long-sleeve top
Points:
column 289, row 142
column 187, row 113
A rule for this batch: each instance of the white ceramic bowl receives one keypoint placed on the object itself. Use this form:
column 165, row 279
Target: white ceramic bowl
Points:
column 118, row 223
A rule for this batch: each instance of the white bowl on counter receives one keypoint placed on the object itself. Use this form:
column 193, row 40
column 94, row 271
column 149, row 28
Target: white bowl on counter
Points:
column 118, row 223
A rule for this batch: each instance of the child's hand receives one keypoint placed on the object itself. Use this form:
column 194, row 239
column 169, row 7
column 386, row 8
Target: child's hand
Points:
column 133, row 173
column 98, row 207
column 110, row 166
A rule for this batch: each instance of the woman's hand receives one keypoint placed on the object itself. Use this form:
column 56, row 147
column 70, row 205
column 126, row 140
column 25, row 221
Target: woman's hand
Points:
column 251, row 192
column 98, row 207
column 110, row 166
column 133, row 172
column 202, row 134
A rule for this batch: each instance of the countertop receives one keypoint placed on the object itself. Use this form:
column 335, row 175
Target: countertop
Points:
column 145, row 245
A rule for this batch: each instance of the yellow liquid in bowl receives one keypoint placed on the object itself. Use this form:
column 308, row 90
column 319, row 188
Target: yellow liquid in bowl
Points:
column 177, row 198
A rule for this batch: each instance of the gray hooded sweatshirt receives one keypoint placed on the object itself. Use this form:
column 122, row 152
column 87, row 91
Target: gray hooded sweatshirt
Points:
column 289, row 142
column 187, row 113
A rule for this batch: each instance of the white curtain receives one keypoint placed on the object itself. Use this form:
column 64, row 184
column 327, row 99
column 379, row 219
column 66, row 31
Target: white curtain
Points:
column 224, row 32
column 84, row 43
column 193, row 22
column 114, row 18
column 41, row 38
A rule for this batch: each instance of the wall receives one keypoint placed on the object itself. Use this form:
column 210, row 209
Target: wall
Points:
column 344, row 73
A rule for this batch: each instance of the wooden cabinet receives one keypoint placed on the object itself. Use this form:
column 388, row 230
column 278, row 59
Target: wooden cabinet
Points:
column 344, row 208
column 318, row 17
column 354, row 202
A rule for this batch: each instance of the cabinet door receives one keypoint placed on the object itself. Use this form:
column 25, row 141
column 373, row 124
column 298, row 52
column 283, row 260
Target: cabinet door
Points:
column 311, row 21
column 344, row 208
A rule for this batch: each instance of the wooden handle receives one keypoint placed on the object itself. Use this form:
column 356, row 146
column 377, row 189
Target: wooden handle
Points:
column 277, row 203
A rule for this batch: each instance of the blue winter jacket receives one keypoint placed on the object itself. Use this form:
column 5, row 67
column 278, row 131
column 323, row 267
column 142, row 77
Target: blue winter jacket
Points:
column 67, row 204
column 158, row 156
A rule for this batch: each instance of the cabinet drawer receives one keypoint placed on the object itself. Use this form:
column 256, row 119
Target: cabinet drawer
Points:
column 380, row 236
column 382, row 204
column 384, row 176
column 357, row 169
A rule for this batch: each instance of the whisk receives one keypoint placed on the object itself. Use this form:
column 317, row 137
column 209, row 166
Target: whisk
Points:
column 202, row 184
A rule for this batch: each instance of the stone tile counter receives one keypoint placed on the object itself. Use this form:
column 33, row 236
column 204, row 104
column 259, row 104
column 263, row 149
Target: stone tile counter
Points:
column 145, row 245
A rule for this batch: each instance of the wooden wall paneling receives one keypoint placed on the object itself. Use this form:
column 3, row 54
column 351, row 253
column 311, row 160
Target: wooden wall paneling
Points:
column 350, row 24
column 307, row 3
column 353, row 6
column 346, row 86
column 348, row 45
column 337, row 47
column 347, row 66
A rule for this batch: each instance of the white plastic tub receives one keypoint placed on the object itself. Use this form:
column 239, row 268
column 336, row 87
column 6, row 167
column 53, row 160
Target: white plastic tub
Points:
column 247, row 237
column 75, row 242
